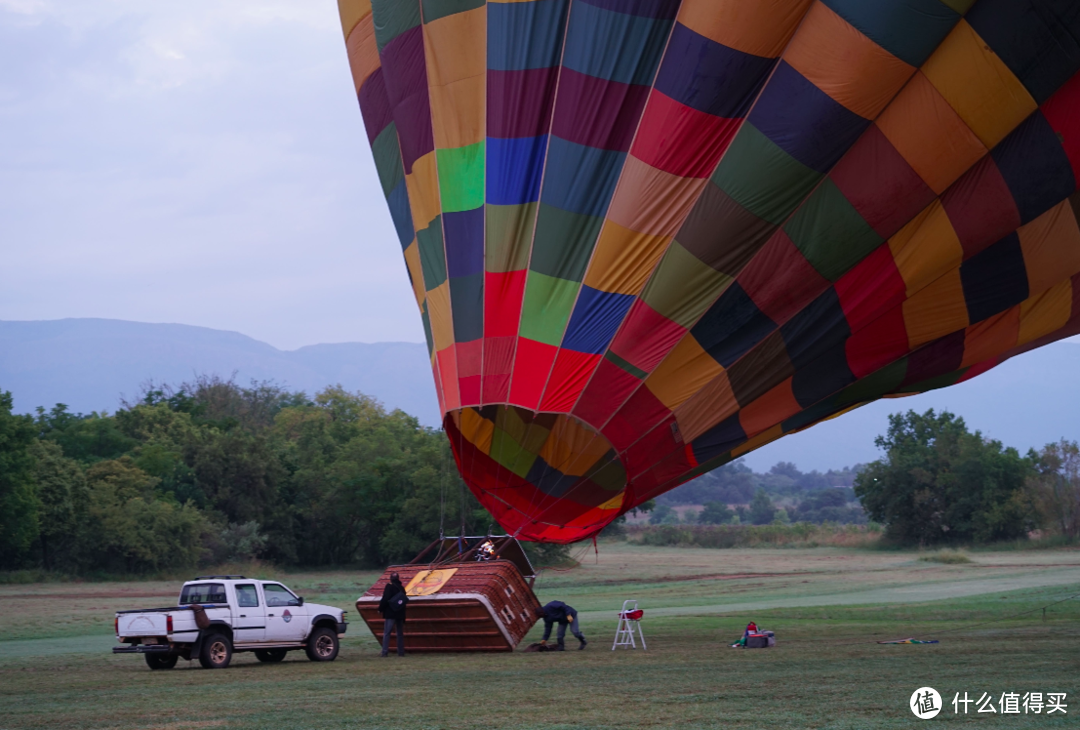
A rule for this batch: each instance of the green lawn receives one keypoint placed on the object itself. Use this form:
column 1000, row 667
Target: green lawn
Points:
column 828, row 607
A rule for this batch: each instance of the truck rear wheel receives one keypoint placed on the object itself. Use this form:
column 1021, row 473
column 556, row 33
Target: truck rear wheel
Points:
column 323, row 645
column 270, row 655
column 160, row 661
column 216, row 652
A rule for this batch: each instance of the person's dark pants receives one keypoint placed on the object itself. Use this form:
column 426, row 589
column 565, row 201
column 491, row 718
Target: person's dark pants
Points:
column 388, row 626
column 574, row 629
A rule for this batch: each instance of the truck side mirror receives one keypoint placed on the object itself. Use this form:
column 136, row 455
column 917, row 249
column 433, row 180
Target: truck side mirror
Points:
column 301, row 601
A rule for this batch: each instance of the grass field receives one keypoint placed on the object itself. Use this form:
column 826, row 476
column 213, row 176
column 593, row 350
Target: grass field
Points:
column 828, row 607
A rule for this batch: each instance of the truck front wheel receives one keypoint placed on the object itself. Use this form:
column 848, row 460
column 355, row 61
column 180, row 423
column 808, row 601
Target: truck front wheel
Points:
column 216, row 652
column 160, row 661
column 322, row 645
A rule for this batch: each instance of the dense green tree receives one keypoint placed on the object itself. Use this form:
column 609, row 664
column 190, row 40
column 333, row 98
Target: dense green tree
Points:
column 940, row 483
column 761, row 510
column 1055, row 486
column 715, row 513
column 62, row 496
column 18, row 504
column 84, row 438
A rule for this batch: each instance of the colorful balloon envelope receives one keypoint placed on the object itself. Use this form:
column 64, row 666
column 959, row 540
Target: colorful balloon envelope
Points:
column 649, row 236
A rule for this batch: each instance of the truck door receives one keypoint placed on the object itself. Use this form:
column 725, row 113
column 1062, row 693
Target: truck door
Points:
column 249, row 616
column 286, row 619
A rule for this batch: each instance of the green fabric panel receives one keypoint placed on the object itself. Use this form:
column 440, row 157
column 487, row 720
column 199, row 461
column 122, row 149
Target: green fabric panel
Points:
column 391, row 18
column 432, row 255
column 763, row 178
column 874, row 385
column 960, row 6
column 426, row 319
column 461, row 177
column 608, row 473
column 547, row 306
column 387, row 153
column 435, row 9
column 682, row 287
column 508, row 236
column 830, row 232
column 510, row 454
column 564, row 242
column 635, row 371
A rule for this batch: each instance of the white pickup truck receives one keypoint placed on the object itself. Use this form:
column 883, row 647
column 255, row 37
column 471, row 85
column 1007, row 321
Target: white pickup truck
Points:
column 218, row 615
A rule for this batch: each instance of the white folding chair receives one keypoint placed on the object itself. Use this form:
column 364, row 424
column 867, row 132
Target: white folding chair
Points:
column 629, row 617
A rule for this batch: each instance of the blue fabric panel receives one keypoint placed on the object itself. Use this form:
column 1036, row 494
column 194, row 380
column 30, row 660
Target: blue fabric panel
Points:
column 1039, row 40
column 828, row 373
column 614, row 46
column 908, row 29
column 816, row 328
column 398, row 201
column 804, row 121
column 464, row 236
column 995, row 279
column 514, row 169
column 597, row 315
column 710, row 77
column 732, row 326
column 718, row 440
column 1035, row 167
column 467, row 307
column 525, row 35
column 580, row 179
column 645, row 8
column 548, row 479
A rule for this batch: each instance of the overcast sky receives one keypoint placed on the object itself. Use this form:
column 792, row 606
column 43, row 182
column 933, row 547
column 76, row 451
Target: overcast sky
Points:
column 201, row 162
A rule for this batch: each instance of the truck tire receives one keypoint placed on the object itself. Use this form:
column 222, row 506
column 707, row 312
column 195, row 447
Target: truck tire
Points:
column 322, row 645
column 161, row 661
column 216, row 652
column 269, row 656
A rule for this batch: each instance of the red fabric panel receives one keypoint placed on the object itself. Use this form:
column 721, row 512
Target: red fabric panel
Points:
column 503, row 293
column 609, row 388
column 1062, row 110
column 646, row 337
column 880, row 184
column 874, row 347
column 780, row 280
column 469, row 358
column 641, row 412
column 650, row 450
column 670, row 467
column 498, row 359
column 979, row 368
column 665, row 128
column 871, row 288
column 568, row 378
column 980, row 207
column 448, row 374
column 532, row 364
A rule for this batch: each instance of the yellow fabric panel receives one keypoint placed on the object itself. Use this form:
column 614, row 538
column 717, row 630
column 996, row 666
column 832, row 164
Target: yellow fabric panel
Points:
column 412, row 260
column 759, row 27
column 362, row 50
column 423, row 187
column 458, row 112
column 428, row 582
column 926, row 247
column 1045, row 312
column 442, row 323
column 936, row 310
column 351, row 12
column 991, row 337
column 613, row 503
column 476, row 429
column 572, row 447
column 623, row 259
column 758, row 441
column 710, row 405
column 685, row 371
column 770, row 409
column 978, row 85
column 455, row 47
column 653, row 201
column 929, row 134
column 1051, row 246
column 845, row 64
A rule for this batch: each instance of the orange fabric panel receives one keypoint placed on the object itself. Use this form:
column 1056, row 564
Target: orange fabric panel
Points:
column 936, row 310
column 765, row 437
column 1051, row 246
column 442, row 323
column 623, row 259
column 992, row 337
column 710, row 405
column 685, row 370
column 653, row 201
column 761, row 27
column 416, row 273
column 926, row 247
column 458, row 112
column 769, row 410
column 1045, row 312
column 352, row 12
column 423, row 187
column 476, row 429
column 572, row 447
column 455, row 47
column 845, row 64
column 363, row 51
column 929, row 134
column 978, row 85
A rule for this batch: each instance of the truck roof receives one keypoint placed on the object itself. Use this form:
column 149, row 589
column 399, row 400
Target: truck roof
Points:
column 220, row 577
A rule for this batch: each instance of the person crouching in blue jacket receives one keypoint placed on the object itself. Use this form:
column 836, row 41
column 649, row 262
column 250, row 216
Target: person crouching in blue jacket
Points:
column 559, row 612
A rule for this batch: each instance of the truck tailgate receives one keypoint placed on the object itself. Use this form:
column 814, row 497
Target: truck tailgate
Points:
column 141, row 624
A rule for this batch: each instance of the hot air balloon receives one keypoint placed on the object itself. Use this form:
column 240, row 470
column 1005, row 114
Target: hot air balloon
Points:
column 649, row 236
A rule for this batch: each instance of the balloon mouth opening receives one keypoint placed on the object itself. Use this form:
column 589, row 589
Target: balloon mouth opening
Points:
column 548, row 477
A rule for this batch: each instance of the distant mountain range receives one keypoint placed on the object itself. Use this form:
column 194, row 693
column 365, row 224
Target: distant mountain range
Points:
column 90, row 363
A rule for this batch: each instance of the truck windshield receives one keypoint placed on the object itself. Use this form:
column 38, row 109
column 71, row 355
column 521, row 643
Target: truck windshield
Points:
column 203, row 593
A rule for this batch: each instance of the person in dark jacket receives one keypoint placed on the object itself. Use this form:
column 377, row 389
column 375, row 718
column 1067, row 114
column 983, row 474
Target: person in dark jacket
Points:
column 558, row 612
column 392, row 607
